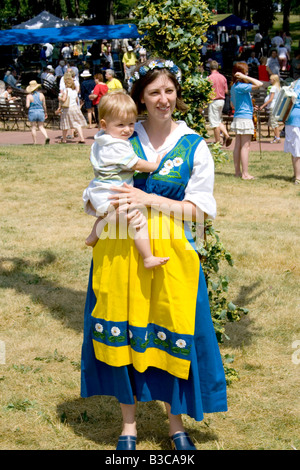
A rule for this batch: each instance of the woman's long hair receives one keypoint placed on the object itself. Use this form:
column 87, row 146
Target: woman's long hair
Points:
column 276, row 79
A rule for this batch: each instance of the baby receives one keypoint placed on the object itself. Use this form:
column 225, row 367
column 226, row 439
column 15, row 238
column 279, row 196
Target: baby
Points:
column 114, row 163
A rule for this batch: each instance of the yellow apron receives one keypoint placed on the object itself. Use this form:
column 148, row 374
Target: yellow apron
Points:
column 145, row 317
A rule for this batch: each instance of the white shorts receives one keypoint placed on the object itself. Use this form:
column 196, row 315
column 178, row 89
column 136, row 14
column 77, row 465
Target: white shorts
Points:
column 292, row 141
column 215, row 113
column 272, row 122
column 242, row 126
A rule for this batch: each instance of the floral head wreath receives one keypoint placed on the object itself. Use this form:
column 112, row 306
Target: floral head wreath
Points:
column 157, row 64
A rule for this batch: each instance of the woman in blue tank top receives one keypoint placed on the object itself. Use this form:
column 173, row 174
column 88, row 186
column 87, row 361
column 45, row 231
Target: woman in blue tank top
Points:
column 242, row 123
column 292, row 134
column 37, row 111
column 148, row 335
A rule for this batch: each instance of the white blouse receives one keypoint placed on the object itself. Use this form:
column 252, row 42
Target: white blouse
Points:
column 73, row 95
column 199, row 189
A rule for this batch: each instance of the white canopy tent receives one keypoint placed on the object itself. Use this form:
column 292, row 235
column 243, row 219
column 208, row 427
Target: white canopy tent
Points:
column 44, row 20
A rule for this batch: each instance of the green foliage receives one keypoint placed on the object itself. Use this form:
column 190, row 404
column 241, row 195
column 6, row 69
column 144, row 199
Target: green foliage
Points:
column 218, row 154
column 122, row 8
column 18, row 404
column 175, row 29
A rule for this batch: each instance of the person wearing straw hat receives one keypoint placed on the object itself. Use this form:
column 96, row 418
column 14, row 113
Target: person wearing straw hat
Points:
column 37, row 111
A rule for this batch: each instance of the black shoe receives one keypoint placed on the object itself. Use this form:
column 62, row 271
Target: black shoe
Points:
column 126, row 443
column 182, row 441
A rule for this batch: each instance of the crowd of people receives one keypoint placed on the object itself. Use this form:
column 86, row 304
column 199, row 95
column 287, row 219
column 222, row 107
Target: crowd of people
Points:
column 265, row 56
column 234, row 96
column 240, row 95
column 274, row 56
column 93, row 73
column 105, row 67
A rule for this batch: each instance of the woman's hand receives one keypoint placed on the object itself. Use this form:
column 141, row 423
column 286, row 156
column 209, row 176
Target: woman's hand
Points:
column 240, row 75
column 129, row 196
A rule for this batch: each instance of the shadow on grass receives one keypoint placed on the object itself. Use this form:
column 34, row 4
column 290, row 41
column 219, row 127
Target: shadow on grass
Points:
column 98, row 419
column 23, row 276
column 277, row 177
column 241, row 332
column 261, row 177
column 248, row 294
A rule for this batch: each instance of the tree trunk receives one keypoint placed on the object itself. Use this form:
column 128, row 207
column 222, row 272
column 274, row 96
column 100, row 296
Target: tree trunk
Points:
column 286, row 15
column 70, row 12
column 76, row 8
column 111, row 19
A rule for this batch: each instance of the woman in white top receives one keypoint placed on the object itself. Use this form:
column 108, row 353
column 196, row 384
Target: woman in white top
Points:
column 270, row 103
column 283, row 56
column 150, row 336
column 71, row 116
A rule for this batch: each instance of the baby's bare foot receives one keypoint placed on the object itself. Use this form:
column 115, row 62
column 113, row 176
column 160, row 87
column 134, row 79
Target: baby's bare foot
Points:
column 154, row 262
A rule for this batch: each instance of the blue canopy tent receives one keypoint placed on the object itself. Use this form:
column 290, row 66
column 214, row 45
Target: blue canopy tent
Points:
column 67, row 34
column 232, row 22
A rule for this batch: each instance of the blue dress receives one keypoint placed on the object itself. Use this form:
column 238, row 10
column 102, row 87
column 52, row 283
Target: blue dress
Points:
column 86, row 89
column 145, row 373
column 36, row 111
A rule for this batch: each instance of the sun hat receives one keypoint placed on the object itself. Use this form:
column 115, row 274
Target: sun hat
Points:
column 85, row 73
column 33, row 85
column 129, row 48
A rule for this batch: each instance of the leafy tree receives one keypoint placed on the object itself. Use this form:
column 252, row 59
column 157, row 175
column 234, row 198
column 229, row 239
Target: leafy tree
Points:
column 264, row 14
column 122, row 8
column 175, row 29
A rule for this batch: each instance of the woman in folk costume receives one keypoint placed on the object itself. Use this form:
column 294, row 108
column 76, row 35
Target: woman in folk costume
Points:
column 148, row 335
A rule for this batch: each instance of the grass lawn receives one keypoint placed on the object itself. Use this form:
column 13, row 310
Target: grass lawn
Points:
column 43, row 278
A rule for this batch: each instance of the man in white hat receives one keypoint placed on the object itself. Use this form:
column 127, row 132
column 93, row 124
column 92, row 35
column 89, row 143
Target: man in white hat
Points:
column 85, row 74
column 129, row 62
